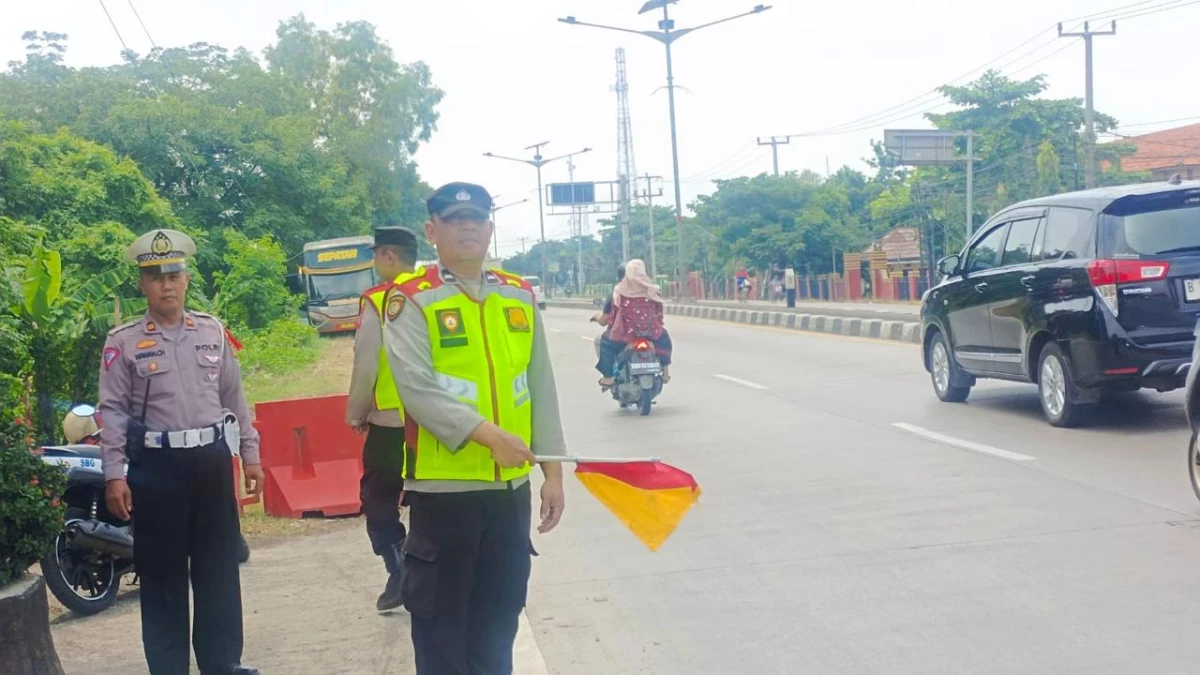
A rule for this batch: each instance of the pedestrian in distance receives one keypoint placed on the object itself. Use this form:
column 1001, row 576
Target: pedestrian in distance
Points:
column 174, row 411
column 469, row 353
column 374, row 408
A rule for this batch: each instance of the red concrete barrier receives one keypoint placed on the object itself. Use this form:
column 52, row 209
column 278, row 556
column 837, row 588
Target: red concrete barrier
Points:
column 312, row 460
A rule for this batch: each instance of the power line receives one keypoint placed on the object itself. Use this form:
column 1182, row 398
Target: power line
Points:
column 143, row 25
column 124, row 47
column 1152, row 124
column 911, row 106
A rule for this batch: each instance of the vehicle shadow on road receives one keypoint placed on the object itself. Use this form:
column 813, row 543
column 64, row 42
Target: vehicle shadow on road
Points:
column 1129, row 412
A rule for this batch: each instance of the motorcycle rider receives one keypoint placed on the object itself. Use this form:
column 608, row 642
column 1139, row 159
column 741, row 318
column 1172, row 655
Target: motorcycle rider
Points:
column 636, row 311
column 604, row 318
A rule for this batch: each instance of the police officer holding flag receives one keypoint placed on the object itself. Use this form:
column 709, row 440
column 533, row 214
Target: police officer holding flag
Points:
column 173, row 407
column 469, row 353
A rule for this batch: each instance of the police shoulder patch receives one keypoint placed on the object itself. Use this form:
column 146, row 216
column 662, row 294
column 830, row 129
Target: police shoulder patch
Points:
column 395, row 304
column 517, row 319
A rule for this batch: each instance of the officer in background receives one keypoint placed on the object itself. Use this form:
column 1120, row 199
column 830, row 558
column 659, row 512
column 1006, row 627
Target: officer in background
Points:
column 374, row 408
column 166, row 382
column 469, row 353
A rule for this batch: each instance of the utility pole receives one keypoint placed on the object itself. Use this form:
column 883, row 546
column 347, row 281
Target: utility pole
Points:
column 667, row 34
column 650, row 195
column 538, row 162
column 626, row 174
column 775, row 142
column 576, row 229
column 970, row 184
column 1089, row 113
column 523, row 240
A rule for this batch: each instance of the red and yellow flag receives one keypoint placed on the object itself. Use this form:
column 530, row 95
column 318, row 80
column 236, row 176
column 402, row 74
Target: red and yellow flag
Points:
column 649, row 497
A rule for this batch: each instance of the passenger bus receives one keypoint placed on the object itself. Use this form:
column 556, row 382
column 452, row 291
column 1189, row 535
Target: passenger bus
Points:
column 333, row 275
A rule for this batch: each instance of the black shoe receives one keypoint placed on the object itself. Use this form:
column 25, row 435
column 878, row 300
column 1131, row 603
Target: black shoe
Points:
column 392, row 597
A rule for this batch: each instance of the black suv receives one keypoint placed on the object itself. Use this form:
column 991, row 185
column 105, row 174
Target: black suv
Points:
column 1080, row 293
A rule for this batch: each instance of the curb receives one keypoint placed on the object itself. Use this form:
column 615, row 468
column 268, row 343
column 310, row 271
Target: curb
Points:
column 879, row 329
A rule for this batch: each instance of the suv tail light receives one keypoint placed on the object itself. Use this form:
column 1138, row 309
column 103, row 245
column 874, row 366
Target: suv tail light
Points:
column 1106, row 275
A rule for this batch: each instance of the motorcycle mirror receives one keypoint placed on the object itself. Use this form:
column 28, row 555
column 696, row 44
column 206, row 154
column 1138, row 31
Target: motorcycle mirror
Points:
column 84, row 410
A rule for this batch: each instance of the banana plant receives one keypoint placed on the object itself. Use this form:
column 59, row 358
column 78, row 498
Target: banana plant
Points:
column 54, row 321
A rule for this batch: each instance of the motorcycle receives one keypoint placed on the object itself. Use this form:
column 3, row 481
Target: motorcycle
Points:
column 94, row 549
column 637, row 380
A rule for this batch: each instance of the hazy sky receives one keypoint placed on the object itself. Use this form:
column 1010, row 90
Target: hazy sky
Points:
column 513, row 76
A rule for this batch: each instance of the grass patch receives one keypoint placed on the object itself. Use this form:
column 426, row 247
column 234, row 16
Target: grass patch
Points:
column 256, row 524
column 328, row 374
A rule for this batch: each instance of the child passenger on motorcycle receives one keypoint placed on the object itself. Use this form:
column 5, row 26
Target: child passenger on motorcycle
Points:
column 637, row 312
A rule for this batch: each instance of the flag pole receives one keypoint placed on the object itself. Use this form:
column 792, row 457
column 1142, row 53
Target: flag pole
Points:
column 574, row 459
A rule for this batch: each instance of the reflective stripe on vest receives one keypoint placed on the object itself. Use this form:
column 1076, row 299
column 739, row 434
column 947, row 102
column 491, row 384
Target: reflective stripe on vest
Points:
column 481, row 353
column 386, row 396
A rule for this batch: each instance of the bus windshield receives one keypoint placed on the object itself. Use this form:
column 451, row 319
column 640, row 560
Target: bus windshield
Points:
column 324, row 288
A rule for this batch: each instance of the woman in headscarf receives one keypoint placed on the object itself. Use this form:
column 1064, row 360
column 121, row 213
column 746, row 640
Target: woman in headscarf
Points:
column 637, row 312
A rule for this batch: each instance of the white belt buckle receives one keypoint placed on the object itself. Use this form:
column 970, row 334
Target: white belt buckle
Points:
column 191, row 438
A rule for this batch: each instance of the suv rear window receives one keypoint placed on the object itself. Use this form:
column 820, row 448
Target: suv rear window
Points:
column 1154, row 225
column 1068, row 234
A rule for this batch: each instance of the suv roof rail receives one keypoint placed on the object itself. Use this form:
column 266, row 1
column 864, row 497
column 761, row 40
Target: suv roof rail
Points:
column 1175, row 179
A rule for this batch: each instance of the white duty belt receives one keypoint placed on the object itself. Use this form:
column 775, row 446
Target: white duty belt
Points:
column 182, row 440
column 228, row 428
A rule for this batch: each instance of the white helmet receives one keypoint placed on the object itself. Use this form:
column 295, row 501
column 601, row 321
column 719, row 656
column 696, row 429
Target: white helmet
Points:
column 80, row 423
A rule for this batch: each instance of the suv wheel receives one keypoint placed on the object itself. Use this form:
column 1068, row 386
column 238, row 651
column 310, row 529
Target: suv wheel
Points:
column 944, row 373
column 1057, row 390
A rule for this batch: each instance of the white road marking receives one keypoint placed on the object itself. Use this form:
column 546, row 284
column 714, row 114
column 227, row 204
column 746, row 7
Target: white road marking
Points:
column 584, row 337
column 964, row 445
column 527, row 657
column 555, row 330
column 744, row 383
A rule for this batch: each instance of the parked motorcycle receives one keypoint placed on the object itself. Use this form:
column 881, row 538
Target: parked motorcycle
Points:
column 94, row 549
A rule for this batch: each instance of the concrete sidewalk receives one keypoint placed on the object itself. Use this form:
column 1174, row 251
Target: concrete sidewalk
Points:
column 309, row 608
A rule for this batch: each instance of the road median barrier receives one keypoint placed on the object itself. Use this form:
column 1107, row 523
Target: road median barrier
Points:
column 850, row 326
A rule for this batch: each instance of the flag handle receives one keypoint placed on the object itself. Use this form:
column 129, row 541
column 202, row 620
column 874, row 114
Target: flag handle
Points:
column 574, row 459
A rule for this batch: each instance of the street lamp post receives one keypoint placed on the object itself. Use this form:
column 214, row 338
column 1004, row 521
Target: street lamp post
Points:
column 538, row 162
column 495, row 237
column 667, row 35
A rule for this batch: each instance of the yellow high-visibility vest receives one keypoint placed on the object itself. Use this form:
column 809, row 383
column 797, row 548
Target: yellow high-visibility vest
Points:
column 386, row 396
column 481, row 353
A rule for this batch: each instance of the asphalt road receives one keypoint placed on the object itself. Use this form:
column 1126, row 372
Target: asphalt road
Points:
column 974, row 539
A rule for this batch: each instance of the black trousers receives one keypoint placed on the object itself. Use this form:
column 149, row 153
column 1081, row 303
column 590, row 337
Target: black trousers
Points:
column 467, row 562
column 380, row 487
column 186, row 525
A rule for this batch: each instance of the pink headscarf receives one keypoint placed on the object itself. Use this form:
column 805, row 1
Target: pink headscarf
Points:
column 636, row 284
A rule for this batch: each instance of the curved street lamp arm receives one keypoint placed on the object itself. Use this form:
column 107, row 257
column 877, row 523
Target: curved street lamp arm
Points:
column 683, row 31
column 511, row 159
column 569, row 154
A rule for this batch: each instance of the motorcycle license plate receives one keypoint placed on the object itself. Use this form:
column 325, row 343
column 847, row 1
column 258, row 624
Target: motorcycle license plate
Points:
column 644, row 368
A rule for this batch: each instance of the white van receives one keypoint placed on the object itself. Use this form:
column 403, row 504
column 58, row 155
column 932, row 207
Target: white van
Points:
column 536, row 282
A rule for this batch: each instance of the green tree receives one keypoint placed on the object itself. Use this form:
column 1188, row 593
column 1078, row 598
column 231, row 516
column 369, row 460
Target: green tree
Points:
column 253, row 293
column 1049, row 170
